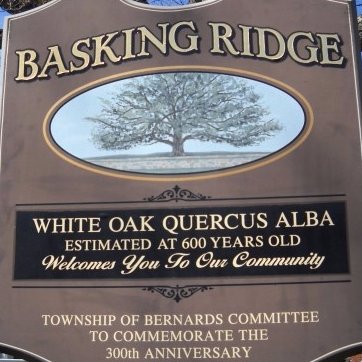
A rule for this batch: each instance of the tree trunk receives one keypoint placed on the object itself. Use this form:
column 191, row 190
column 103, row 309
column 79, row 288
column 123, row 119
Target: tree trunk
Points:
column 178, row 147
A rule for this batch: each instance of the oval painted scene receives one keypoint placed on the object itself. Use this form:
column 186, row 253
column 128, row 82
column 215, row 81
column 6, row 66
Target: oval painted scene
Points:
column 178, row 123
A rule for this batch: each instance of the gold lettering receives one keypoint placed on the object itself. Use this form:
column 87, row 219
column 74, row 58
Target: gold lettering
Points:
column 79, row 54
column 193, row 39
column 221, row 34
column 147, row 37
column 292, row 45
column 329, row 46
column 54, row 60
column 101, row 47
column 28, row 68
column 128, row 44
column 246, row 40
column 265, row 34
column 182, row 37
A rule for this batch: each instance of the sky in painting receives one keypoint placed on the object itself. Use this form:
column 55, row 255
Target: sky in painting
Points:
column 72, row 131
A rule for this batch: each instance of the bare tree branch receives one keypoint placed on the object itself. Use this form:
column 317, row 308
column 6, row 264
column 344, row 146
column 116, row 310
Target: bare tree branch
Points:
column 222, row 109
column 18, row 6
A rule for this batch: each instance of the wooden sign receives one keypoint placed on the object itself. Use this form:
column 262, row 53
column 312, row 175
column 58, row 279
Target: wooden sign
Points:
column 181, row 182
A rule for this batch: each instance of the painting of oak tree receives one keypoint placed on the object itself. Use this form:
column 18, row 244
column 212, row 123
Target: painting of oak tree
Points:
column 175, row 108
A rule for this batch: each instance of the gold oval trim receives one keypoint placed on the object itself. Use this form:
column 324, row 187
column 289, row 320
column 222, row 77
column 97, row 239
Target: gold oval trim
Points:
column 309, row 121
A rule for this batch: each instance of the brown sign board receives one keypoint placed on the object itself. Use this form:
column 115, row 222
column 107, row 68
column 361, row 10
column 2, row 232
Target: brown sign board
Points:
column 181, row 183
